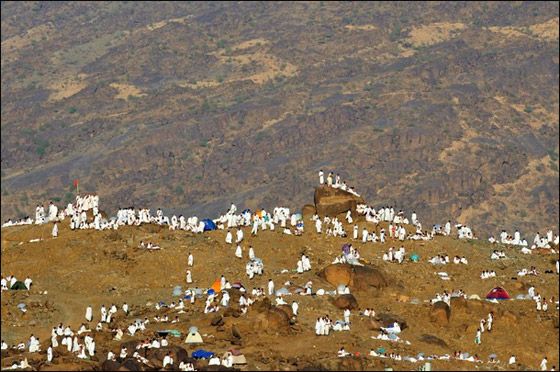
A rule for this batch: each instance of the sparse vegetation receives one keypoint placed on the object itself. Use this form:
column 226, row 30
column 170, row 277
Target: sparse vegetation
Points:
column 179, row 190
column 72, row 109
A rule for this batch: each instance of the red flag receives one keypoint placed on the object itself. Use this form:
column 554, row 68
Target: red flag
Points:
column 76, row 183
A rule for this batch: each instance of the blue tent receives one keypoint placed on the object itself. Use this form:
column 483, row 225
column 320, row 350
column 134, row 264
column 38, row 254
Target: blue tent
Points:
column 209, row 225
column 202, row 354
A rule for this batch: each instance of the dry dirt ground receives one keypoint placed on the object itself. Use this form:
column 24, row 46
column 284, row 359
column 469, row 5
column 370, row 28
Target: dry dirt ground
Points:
column 81, row 268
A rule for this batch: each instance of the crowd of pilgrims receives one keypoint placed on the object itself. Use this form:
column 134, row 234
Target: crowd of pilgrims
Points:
column 82, row 341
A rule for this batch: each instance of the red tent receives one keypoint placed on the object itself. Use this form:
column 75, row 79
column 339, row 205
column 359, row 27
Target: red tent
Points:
column 498, row 293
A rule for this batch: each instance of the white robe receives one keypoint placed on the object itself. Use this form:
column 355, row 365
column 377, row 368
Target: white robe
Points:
column 89, row 314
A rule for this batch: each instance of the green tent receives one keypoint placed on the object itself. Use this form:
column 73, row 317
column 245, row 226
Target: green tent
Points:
column 19, row 285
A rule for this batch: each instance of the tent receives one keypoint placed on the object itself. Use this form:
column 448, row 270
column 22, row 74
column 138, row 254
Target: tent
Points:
column 299, row 216
column 498, row 293
column 209, row 225
column 19, row 285
column 193, row 338
column 202, row 354
column 237, row 356
column 217, row 286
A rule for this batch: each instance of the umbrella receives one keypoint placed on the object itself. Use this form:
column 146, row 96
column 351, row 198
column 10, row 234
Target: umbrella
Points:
column 346, row 248
column 211, row 291
column 493, row 355
column 256, row 259
column 381, row 350
column 282, row 291
column 237, row 285
column 340, row 288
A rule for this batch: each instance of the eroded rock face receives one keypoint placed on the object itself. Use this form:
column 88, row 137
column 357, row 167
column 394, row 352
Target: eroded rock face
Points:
column 360, row 278
column 331, row 202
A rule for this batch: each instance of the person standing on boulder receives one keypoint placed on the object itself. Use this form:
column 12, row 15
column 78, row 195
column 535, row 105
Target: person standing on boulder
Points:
column 329, row 179
column 321, row 177
column 270, row 287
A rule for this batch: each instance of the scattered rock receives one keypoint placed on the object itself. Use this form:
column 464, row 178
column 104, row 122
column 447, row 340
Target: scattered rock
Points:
column 217, row 320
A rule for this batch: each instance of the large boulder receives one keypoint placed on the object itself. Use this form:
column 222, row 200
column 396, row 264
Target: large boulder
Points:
column 276, row 320
column 110, row 365
column 358, row 278
column 331, row 202
column 260, row 306
column 179, row 354
column 429, row 339
column 440, row 313
column 387, row 320
column 346, row 301
column 287, row 309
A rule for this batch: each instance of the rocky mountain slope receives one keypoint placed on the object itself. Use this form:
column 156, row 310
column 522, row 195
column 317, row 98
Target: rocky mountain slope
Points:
column 449, row 109
column 91, row 268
